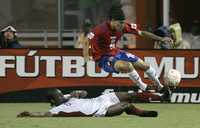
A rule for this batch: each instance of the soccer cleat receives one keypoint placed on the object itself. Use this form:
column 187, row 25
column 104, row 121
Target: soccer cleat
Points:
column 149, row 114
column 166, row 94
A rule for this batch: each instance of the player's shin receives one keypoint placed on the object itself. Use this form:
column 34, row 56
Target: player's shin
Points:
column 132, row 110
column 151, row 73
column 134, row 76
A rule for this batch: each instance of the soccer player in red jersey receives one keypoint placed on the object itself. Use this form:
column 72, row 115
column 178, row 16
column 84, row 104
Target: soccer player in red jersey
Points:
column 104, row 39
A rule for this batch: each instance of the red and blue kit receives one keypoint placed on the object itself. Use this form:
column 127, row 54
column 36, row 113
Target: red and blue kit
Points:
column 104, row 45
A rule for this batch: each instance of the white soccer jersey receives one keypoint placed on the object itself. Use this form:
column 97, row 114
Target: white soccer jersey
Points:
column 94, row 106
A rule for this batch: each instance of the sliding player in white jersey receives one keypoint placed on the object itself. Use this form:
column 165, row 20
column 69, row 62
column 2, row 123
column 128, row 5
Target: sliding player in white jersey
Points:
column 110, row 104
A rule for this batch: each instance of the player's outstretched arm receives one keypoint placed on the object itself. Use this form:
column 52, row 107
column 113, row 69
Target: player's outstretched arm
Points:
column 34, row 114
column 155, row 37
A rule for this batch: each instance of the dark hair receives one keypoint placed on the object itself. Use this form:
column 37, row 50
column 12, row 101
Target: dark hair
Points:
column 116, row 13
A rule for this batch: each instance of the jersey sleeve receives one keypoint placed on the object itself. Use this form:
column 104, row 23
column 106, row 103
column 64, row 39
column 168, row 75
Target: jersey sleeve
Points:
column 93, row 36
column 131, row 28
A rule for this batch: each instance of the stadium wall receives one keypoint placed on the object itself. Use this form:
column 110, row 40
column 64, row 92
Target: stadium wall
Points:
column 26, row 74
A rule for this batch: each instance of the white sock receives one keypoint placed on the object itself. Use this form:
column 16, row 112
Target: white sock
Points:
column 134, row 76
column 151, row 73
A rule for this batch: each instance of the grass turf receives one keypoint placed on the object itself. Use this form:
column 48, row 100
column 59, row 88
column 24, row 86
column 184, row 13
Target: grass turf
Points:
column 170, row 116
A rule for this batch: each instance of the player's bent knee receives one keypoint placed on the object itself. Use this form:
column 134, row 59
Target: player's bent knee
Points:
column 123, row 66
column 140, row 64
column 117, row 109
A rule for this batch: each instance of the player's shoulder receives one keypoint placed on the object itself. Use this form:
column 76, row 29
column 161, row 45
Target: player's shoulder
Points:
column 101, row 28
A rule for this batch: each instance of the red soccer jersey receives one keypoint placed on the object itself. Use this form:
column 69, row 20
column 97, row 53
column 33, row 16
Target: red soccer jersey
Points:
column 104, row 41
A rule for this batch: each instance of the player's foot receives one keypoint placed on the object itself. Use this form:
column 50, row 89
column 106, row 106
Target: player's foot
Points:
column 149, row 114
column 166, row 94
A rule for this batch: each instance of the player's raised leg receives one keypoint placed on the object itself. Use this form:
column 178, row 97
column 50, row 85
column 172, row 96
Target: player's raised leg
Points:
column 127, row 67
column 151, row 73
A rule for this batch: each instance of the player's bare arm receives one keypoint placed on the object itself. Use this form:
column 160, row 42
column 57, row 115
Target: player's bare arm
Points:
column 56, row 97
column 86, row 47
column 155, row 37
column 35, row 114
column 78, row 94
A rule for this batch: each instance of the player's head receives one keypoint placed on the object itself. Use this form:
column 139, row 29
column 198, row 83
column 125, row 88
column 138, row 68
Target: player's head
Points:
column 55, row 97
column 117, row 17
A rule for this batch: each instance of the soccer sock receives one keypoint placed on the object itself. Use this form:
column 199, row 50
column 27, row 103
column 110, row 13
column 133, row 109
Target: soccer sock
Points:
column 134, row 76
column 151, row 73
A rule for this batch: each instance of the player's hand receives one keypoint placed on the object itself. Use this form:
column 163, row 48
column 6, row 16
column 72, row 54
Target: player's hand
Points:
column 87, row 58
column 167, row 40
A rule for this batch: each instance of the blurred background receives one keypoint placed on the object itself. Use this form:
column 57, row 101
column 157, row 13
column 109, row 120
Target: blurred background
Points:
column 57, row 23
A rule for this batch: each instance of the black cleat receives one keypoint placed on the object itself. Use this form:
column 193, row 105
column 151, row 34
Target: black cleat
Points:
column 149, row 114
column 166, row 94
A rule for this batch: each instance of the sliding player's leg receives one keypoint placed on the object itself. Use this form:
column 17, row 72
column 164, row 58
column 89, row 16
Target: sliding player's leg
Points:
column 139, row 97
column 132, row 110
column 129, row 109
column 116, row 109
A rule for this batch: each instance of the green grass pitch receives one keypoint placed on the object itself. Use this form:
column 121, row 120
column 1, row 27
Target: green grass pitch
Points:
column 170, row 116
